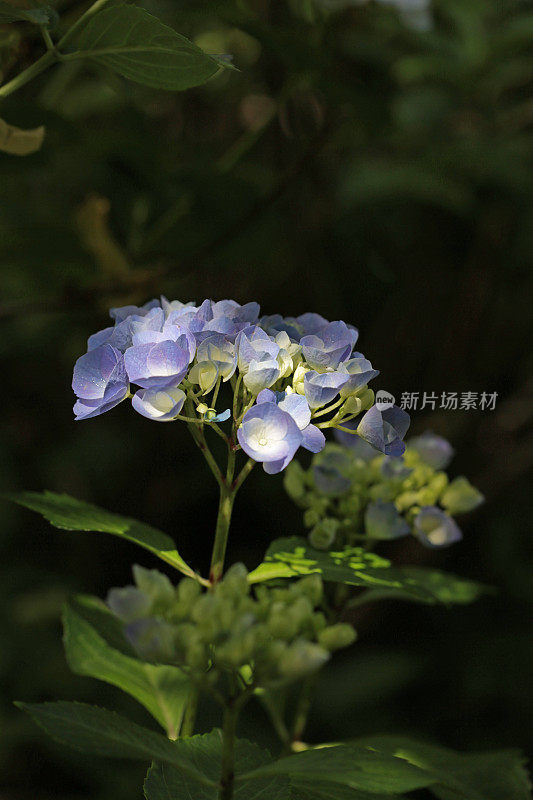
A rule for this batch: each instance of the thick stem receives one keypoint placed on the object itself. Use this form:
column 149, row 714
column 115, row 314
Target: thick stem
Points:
column 229, row 729
column 225, row 507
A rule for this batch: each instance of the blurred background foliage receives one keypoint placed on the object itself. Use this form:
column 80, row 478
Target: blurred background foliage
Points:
column 370, row 161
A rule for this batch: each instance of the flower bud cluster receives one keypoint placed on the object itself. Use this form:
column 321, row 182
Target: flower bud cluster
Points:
column 290, row 377
column 272, row 637
column 351, row 493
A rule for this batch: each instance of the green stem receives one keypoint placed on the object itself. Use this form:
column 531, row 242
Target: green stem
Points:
column 245, row 471
column 303, row 707
column 42, row 64
column 225, row 508
column 229, row 729
column 189, row 718
column 94, row 9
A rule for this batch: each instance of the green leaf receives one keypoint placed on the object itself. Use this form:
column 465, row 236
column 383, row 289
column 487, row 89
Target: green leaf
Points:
column 294, row 557
column 36, row 13
column 97, row 731
column 205, row 752
column 162, row 690
column 69, row 514
column 479, row 776
column 19, row 142
column 138, row 46
column 354, row 766
column 426, row 586
column 319, row 790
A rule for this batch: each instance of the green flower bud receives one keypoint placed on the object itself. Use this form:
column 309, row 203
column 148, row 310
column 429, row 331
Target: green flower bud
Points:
column 312, row 587
column 235, row 582
column 298, row 378
column 302, row 658
column 461, row 496
column 294, row 481
column 323, row 534
column 337, row 636
column 281, row 623
column 154, row 584
column 311, row 517
column 196, row 656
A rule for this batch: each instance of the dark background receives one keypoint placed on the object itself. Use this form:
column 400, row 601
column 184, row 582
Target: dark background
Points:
column 367, row 163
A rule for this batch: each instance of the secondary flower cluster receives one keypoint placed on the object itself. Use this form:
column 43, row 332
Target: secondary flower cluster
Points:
column 350, row 493
column 274, row 637
column 285, row 373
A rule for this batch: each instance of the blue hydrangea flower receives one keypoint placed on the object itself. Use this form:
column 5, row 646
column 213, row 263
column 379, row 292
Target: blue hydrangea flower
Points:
column 358, row 446
column 269, row 435
column 360, row 371
column 297, row 406
column 435, row 529
column 216, row 357
column 382, row 521
column 331, row 345
column 120, row 314
column 100, row 381
column 161, row 405
column 257, row 356
column 384, row 429
column 320, row 388
column 432, row 449
column 157, row 366
column 311, row 323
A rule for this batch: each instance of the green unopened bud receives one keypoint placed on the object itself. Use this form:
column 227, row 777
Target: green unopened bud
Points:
column 298, row 378
column 281, row 623
column 323, row 534
column 461, row 496
column 196, row 656
column 353, row 405
column 153, row 584
column 235, row 582
column 302, row 658
column 312, row 587
column 366, row 396
column 337, row 636
column 294, row 481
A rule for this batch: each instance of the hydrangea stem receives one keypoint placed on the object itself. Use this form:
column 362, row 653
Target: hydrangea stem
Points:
column 225, row 508
column 303, row 707
column 229, row 729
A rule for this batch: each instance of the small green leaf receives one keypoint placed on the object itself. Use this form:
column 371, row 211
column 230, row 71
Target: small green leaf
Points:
column 161, row 689
column 19, row 142
column 36, row 13
column 138, row 46
column 205, row 752
column 100, row 732
column 69, row 514
column 352, row 765
column 477, row 776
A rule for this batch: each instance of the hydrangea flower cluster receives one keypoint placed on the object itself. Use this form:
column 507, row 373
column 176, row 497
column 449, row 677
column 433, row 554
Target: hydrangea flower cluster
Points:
column 351, row 493
column 291, row 377
column 272, row 638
